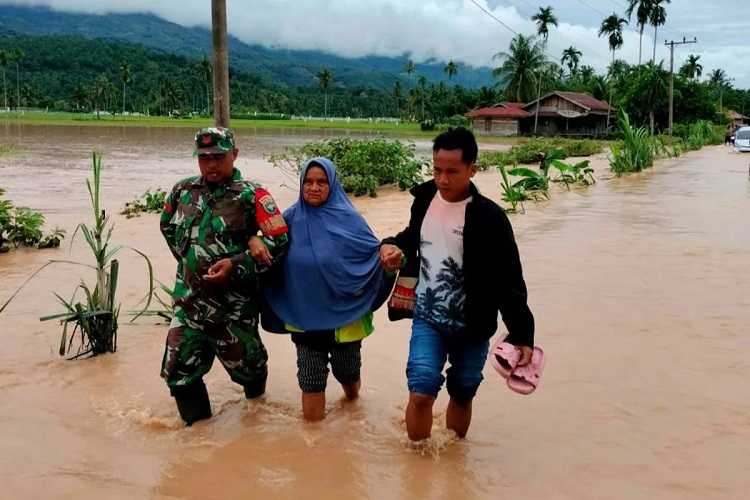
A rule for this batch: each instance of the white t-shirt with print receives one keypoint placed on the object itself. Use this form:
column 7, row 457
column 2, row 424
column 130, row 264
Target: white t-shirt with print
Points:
column 440, row 290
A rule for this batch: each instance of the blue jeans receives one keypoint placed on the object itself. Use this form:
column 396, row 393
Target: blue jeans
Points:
column 428, row 353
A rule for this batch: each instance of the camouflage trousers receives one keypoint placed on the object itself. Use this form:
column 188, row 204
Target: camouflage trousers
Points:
column 191, row 348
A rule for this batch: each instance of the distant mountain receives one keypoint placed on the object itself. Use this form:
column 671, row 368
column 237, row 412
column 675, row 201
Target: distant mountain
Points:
column 278, row 66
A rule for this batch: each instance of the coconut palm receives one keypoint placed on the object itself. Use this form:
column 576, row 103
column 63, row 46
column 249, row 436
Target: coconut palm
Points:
column 655, row 84
column 99, row 92
column 657, row 17
column 612, row 26
column 718, row 79
column 4, row 62
column 410, row 68
column 571, row 57
column 520, row 69
column 205, row 71
column 544, row 19
column 324, row 78
column 642, row 9
column 692, row 68
column 397, row 96
column 16, row 55
column 422, row 86
column 451, row 69
column 125, row 78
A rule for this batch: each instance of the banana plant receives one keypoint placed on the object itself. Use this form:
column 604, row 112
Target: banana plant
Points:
column 580, row 173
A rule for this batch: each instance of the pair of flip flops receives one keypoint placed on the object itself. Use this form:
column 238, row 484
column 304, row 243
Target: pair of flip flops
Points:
column 521, row 379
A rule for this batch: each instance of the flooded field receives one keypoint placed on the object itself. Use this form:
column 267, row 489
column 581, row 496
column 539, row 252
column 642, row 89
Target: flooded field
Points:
column 640, row 290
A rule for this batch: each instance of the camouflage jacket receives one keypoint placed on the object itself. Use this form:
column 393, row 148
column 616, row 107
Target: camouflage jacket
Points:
column 203, row 224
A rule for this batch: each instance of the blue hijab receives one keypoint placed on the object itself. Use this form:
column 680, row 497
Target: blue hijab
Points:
column 332, row 273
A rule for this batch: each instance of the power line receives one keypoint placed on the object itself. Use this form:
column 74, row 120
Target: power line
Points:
column 493, row 16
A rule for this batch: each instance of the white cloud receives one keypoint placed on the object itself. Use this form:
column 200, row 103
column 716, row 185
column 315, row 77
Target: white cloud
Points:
column 443, row 29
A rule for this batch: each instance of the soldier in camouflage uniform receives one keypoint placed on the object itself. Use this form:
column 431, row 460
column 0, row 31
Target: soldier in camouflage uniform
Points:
column 208, row 221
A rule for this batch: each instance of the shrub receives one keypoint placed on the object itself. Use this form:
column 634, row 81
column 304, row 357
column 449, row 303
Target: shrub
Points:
column 363, row 165
column 148, row 202
column 427, row 126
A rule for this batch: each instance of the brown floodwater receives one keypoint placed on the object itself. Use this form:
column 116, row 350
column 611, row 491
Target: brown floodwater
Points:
column 640, row 290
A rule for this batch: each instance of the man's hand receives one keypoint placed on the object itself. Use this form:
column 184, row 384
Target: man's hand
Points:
column 259, row 251
column 526, row 353
column 391, row 257
column 219, row 272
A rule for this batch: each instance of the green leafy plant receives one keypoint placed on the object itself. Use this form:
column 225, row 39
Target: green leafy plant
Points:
column 25, row 228
column 637, row 150
column 533, row 183
column 93, row 321
column 363, row 165
column 581, row 173
column 515, row 195
column 148, row 202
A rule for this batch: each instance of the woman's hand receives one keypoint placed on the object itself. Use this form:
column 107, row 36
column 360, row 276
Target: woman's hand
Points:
column 259, row 251
column 526, row 353
column 391, row 257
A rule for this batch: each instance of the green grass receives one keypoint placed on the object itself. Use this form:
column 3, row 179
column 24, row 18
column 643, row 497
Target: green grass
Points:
column 7, row 150
column 404, row 129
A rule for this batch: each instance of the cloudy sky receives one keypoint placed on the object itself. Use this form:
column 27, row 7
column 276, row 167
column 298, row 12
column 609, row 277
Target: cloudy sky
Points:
column 454, row 29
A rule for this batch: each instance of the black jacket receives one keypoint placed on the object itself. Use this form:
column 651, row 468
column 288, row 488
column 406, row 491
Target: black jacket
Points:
column 493, row 279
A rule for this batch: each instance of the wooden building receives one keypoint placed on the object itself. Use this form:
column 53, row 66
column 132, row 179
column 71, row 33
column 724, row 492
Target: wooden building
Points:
column 568, row 114
column 502, row 119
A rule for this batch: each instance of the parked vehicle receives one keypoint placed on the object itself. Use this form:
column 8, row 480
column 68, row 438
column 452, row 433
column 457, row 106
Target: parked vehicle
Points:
column 742, row 139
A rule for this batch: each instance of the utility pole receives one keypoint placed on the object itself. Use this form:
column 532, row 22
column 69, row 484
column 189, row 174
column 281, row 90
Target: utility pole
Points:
column 671, row 76
column 220, row 63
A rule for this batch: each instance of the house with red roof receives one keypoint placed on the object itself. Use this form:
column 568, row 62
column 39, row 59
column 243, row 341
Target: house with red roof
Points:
column 501, row 119
column 560, row 114
column 568, row 114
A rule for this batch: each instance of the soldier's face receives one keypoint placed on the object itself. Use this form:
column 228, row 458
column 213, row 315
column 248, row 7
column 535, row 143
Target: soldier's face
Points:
column 217, row 167
column 315, row 188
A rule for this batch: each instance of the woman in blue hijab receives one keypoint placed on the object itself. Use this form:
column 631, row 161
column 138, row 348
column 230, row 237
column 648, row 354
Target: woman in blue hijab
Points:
column 330, row 283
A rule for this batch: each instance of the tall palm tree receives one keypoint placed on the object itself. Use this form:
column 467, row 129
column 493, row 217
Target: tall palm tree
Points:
column 520, row 67
column 571, row 57
column 544, row 19
column 655, row 84
column 99, row 92
column 692, row 68
column 612, row 26
column 397, row 96
column 324, row 78
column 125, row 77
column 657, row 17
column 205, row 70
column 4, row 62
column 422, row 86
column 16, row 56
column 642, row 9
column 718, row 79
column 410, row 68
column 451, row 69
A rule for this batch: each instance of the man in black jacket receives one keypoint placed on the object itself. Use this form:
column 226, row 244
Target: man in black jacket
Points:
column 462, row 257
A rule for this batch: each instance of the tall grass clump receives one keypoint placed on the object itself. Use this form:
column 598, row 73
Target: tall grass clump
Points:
column 93, row 321
column 363, row 165
column 637, row 150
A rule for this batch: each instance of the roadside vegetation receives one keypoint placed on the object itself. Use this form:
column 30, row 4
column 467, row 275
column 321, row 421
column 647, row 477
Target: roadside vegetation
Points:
column 364, row 165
